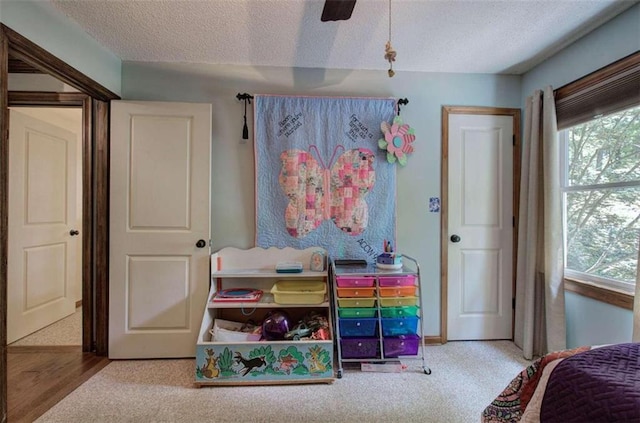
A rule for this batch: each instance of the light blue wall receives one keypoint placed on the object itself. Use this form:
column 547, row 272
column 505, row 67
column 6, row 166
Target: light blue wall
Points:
column 612, row 41
column 589, row 321
column 41, row 23
column 592, row 322
column 233, row 206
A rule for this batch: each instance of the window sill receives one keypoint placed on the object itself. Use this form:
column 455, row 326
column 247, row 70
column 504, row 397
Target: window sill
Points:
column 600, row 293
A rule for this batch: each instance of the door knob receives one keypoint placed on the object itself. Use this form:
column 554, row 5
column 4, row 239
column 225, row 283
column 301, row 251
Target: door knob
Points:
column 455, row 238
column 74, row 232
column 201, row 243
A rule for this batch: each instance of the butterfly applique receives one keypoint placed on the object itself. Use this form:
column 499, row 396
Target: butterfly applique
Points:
column 317, row 193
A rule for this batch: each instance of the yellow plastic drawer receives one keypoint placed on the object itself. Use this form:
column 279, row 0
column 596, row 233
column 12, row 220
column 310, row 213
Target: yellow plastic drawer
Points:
column 356, row 302
column 398, row 301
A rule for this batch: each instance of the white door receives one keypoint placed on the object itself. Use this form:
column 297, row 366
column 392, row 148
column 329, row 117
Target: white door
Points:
column 480, row 216
column 159, row 200
column 42, row 213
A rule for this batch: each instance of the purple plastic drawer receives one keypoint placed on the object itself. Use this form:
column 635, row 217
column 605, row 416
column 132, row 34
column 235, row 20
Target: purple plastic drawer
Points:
column 400, row 280
column 360, row 348
column 401, row 345
column 354, row 281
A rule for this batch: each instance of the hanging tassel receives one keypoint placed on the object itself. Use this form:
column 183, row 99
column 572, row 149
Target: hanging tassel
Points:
column 245, row 129
column 390, row 56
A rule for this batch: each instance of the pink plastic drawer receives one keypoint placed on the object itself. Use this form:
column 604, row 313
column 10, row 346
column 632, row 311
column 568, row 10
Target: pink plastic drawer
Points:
column 360, row 348
column 355, row 281
column 401, row 345
column 400, row 280
column 356, row 292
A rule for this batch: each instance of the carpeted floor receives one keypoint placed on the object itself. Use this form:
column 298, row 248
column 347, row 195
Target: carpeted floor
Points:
column 67, row 331
column 465, row 378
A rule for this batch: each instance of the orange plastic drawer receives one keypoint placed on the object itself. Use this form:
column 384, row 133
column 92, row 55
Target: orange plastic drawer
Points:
column 397, row 291
column 355, row 281
column 356, row 292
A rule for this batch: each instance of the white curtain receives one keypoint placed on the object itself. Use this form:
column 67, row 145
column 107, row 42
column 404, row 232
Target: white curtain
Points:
column 636, row 305
column 540, row 319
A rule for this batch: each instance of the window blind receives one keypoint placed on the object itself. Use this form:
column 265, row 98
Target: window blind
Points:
column 607, row 90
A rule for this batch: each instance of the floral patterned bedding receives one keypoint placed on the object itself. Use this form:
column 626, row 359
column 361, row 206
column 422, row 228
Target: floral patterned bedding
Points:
column 579, row 385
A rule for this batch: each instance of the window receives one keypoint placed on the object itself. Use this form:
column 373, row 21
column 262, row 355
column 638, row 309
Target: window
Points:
column 602, row 198
column 599, row 122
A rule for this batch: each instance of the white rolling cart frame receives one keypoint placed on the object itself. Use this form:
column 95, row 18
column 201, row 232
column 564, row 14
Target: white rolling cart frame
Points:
column 367, row 270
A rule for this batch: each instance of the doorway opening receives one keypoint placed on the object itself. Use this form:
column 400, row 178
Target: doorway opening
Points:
column 17, row 52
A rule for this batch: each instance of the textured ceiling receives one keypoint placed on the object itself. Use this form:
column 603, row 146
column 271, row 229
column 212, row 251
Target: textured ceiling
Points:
column 471, row 36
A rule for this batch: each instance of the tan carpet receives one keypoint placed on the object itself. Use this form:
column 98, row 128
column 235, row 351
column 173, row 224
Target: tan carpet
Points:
column 67, row 331
column 465, row 377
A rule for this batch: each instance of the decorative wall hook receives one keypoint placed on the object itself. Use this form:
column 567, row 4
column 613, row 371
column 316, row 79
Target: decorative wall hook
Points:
column 402, row 101
column 246, row 98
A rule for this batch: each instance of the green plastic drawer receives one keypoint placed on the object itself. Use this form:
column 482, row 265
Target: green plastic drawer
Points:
column 405, row 311
column 351, row 312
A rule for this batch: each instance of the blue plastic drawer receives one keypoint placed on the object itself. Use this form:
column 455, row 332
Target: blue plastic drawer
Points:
column 399, row 326
column 358, row 327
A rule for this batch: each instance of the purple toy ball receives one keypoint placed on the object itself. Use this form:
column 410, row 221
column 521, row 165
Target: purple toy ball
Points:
column 275, row 325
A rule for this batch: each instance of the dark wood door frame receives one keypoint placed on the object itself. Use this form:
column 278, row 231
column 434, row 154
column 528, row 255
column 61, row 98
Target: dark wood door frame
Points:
column 444, row 194
column 95, row 187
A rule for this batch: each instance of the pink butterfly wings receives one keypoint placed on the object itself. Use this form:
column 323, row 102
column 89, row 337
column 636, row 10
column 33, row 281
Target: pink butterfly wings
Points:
column 317, row 193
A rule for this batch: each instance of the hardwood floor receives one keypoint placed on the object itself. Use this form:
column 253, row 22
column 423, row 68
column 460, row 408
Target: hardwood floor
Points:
column 39, row 377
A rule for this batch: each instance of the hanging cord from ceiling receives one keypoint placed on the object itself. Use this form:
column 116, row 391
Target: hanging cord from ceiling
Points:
column 389, row 52
column 246, row 98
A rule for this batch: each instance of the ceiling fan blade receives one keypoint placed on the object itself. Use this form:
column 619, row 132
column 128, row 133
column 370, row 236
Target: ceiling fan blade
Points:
column 337, row 10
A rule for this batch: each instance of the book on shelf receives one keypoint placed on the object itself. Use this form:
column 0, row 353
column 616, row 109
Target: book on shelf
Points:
column 238, row 295
column 289, row 267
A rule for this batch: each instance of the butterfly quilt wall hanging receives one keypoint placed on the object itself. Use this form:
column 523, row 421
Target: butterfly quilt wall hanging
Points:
column 321, row 180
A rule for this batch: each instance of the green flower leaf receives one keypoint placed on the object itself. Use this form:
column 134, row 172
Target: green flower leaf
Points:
column 382, row 143
column 391, row 158
column 402, row 160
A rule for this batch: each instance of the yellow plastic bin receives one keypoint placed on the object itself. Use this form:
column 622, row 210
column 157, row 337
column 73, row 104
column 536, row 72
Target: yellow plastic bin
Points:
column 299, row 292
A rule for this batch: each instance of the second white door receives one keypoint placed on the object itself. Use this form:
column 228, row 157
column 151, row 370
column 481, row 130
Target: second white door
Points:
column 158, row 271
column 42, row 234
column 480, row 219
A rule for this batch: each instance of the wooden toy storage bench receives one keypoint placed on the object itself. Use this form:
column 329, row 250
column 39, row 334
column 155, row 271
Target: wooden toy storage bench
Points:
column 262, row 362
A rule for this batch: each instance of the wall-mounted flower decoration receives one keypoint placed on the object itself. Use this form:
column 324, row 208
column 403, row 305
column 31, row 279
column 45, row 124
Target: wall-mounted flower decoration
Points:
column 397, row 140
